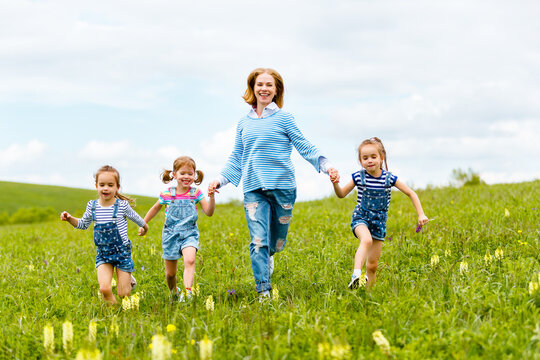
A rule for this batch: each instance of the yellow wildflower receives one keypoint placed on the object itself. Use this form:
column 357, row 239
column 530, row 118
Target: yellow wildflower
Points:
column 463, row 267
column 499, row 254
column 87, row 354
column 340, row 351
column 171, row 328
column 210, row 303
column 533, row 287
column 161, row 347
column 99, row 295
column 519, row 231
column 92, row 331
column 506, row 213
column 30, row 267
column 275, row 294
column 231, row 234
column 114, row 327
column 324, row 350
column 67, row 335
column 488, row 258
column 135, row 302
column 381, row 341
column 435, row 260
column 152, row 250
column 126, row 303
column 196, row 290
column 48, row 338
column 113, row 282
column 205, row 347
column 447, row 252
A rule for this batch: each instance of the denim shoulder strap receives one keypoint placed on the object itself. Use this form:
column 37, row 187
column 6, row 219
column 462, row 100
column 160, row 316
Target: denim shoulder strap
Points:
column 363, row 177
column 172, row 190
column 192, row 191
column 94, row 210
column 115, row 208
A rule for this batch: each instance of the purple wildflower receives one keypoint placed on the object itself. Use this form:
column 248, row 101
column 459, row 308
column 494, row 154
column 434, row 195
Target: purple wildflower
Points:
column 78, row 270
column 46, row 263
column 231, row 292
column 142, row 268
column 418, row 227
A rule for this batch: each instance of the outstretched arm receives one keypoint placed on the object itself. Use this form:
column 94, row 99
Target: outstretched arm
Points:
column 422, row 218
column 65, row 216
column 341, row 192
column 209, row 205
column 149, row 216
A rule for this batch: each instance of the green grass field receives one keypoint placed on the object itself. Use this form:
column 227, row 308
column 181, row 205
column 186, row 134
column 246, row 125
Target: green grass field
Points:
column 488, row 309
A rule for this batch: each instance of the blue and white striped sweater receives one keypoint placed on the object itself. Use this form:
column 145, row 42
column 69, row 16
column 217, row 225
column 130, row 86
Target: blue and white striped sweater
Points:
column 262, row 152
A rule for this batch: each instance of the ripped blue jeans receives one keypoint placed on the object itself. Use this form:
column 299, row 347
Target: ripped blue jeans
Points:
column 268, row 214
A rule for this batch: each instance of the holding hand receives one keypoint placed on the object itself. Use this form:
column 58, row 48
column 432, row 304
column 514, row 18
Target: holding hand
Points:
column 212, row 188
column 334, row 175
column 143, row 230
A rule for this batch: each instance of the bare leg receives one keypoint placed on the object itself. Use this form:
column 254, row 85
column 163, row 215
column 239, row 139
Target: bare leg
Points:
column 104, row 275
column 372, row 261
column 366, row 241
column 124, row 283
column 189, row 265
column 170, row 274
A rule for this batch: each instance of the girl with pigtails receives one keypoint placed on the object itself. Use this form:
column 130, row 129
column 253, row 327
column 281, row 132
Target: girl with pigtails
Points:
column 180, row 236
column 371, row 211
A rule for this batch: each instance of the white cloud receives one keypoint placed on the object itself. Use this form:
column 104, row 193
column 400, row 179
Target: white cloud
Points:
column 27, row 153
column 107, row 151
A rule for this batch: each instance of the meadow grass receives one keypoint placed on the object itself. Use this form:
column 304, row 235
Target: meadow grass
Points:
column 424, row 310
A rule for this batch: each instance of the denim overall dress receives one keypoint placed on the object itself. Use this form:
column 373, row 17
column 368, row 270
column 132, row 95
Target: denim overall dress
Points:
column 110, row 246
column 373, row 208
column 180, row 229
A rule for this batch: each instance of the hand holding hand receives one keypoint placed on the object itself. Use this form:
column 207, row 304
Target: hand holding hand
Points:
column 212, row 188
column 142, row 231
column 334, row 175
column 65, row 216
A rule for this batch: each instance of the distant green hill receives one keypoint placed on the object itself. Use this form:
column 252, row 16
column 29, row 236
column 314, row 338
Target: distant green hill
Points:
column 14, row 196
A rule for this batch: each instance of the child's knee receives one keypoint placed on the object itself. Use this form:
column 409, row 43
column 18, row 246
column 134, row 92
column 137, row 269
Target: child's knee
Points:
column 105, row 289
column 372, row 265
column 170, row 276
column 189, row 261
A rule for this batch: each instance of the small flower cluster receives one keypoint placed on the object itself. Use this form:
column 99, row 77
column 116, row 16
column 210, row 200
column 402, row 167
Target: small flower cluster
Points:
column 534, row 286
column 336, row 351
column 48, row 338
column 210, row 303
column 463, row 267
column 499, row 254
column 488, row 258
column 161, row 347
column 435, row 260
column 89, row 354
column 131, row 302
column 382, row 342
column 206, row 347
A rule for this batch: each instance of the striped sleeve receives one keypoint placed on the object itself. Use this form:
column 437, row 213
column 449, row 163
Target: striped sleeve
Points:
column 198, row 196
column 307, row 150
column 233, row 168
column 86, row 219
column 131, row 214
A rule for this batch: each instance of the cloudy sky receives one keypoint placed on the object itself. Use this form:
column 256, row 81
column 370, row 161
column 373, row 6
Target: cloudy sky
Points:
column 135, row 84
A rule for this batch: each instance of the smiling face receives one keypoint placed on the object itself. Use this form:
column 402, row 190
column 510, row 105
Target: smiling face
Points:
column 371, row 159
column 185, row 175
column 107, row 187
column 265, row 89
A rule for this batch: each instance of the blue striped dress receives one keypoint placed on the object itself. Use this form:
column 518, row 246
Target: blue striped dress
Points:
column 262, row 152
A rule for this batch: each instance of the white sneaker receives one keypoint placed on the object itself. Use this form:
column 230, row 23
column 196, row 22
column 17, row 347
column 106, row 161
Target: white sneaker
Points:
column 356, row 282
column 265, row 295
column 133, row 283
column 271, row 265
